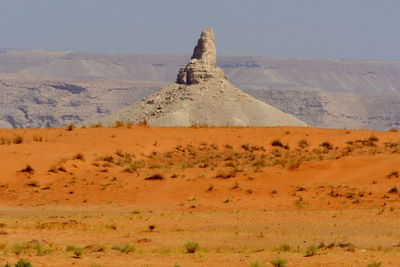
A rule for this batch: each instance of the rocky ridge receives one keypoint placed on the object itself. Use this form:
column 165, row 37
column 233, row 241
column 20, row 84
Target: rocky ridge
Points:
column 40, row 88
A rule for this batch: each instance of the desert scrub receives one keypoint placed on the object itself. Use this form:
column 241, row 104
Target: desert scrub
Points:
column 32, row 183
column 278, row 143
column 326, row 145
column 135, row 165
column 303, row 144
column 28, row 169
column 191, row 247
column 22, row 263
column 284, row 248
column 78, row 156
column 37, row 138
column 310, row 251
column 293, row 162
column 375, row 264
column 125, row 248
column 76, row 251
column 226, row 173
column 18, row 139
column 393, row 174
column 70, row 127
column 5, row 141
column 256, row 264
column 393, row 190
column 156, row 176
column 278, row 262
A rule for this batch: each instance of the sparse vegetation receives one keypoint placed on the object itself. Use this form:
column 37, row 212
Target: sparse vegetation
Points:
column 256, row 264
column 32, row 183
column 156, row 176
column 393, row 190
column 18, row 139
column 375, row 264
column 278, row 143
column 303, row 144
column 191, row 247
column 76, row 251
column 37, row 138
column 28, row 169
column 70, row 127
column 393, row 174
column 310, row 251
column 278, row 262
column 78, row 156
column 125, row 248
column 326, row 145
column 23, row 263
column 284, row 248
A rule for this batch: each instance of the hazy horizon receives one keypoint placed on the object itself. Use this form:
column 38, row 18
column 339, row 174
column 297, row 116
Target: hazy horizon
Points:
column 351, row 30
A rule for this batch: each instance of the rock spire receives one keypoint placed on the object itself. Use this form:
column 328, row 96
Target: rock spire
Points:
column 202, row 67
column 205, row 49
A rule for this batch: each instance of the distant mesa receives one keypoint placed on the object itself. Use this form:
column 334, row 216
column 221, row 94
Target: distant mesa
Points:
column 202, row 95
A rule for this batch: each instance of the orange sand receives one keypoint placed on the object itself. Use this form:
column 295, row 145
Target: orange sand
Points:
column 333, row 196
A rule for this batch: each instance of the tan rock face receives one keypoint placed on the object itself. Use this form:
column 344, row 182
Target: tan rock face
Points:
column 205, row 49
column 202, row 67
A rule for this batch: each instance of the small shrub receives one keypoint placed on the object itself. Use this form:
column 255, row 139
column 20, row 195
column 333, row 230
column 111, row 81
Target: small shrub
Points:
column 37, row 138
column 225, row 174
column 76, row 251
column 19, row 249
column 126, row 248
column 18, row 139
column 32, row 183
column 393, row 174
column 393, row 190
column 40, row 250
column 28, row 169
column 293, row 162
column 278, row 262
column 284, row 248
column 311, row 251
column 23, row 263
column 375, row 264
column 4, row 141
column 303, row 144
column 191, row 247
column 135, row 165
column 256, row 264
column 278, row 143
column 373, row 138
column 229, row 146
column 326, row 145
column 71, row 127
column 79, row 156
column 155, row 177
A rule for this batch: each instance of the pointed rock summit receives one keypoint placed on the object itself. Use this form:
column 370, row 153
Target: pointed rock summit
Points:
column 202, row 67
column 202, row 95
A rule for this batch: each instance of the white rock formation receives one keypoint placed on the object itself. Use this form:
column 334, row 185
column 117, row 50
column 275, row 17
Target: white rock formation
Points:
column 202, row 95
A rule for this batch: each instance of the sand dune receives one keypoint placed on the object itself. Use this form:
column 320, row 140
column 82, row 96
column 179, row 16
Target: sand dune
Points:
column 228, row 189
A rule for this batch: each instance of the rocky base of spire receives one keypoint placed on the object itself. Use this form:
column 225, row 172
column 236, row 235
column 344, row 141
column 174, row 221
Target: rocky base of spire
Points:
column 197, row 72
column 202, row 67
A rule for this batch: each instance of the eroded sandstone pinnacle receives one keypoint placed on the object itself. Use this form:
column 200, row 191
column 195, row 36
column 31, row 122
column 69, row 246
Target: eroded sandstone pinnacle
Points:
column 202, row 67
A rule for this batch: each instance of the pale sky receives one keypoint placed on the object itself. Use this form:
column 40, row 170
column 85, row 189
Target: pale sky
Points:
column 343, row 29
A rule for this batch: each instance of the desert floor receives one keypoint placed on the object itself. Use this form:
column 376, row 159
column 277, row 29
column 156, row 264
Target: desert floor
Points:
column 134, row 196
